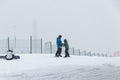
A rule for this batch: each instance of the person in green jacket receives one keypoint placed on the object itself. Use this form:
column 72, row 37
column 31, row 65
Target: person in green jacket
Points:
column 66, row 45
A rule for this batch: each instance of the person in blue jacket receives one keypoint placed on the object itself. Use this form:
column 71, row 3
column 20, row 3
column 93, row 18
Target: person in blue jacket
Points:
column 59, row 46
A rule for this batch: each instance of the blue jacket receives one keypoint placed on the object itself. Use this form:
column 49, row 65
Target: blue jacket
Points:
column 59, row 43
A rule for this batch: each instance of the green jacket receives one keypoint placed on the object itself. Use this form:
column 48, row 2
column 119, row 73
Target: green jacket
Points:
column 66, row 45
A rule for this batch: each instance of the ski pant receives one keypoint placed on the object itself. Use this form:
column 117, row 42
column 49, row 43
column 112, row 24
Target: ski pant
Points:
column 58, row 52
column 67, row 53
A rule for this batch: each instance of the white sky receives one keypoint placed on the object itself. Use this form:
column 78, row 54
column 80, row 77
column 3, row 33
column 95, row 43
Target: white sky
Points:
column 87, row 24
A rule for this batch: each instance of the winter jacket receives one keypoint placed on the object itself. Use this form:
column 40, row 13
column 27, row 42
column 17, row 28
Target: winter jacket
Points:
column 66, row 45
column 59, row 42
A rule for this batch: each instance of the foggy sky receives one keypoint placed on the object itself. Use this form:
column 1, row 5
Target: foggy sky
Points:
column 88, row 24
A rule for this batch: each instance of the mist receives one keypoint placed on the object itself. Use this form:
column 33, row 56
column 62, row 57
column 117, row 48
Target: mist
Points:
column 91, row 25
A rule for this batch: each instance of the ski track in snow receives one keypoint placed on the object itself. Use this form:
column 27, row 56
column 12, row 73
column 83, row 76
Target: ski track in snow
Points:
column 105, row 72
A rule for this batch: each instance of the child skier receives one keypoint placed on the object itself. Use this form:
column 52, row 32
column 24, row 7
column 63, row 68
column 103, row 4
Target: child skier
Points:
column 66, row 45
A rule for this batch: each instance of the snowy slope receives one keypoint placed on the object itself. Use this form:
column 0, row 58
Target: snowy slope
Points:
column 47, row 67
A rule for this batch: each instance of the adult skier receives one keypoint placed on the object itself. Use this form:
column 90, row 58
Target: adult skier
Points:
column 59, row 46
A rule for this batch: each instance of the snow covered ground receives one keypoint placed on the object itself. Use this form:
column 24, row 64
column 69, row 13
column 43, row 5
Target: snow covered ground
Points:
column 48, row 67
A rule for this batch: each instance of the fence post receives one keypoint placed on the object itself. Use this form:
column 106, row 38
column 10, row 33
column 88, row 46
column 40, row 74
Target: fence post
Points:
column 51, row 47
column 79, row 52
column 8, row 43
column 41, row 46
column 73, row 51
column 31, row 44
